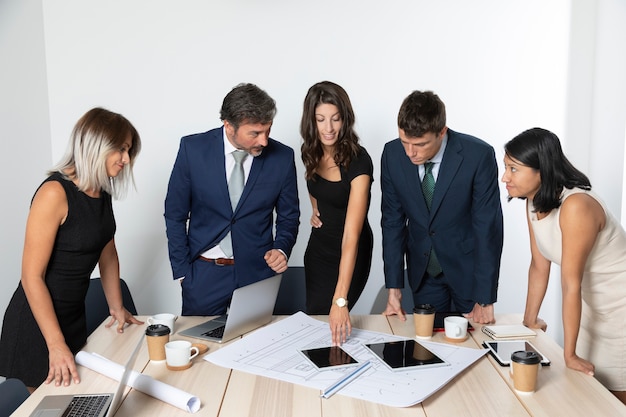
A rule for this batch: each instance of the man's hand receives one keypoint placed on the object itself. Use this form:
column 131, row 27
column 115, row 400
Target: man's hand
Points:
column 481, row 315
column 276, row 260
column 394, row 304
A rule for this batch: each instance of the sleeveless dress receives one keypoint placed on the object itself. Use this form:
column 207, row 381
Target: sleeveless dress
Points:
column 602, row 336
column 89, row 226
column 323, row 252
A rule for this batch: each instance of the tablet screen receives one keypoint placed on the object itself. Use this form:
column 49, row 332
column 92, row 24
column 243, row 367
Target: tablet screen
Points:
column 406, row 355
column 329, row 357
column 501, row 350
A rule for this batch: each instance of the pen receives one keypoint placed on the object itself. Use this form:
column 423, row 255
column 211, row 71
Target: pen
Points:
column 345, row 380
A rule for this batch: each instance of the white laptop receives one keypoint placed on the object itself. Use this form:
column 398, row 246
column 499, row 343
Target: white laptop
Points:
column 98, row 405
column 251, row 307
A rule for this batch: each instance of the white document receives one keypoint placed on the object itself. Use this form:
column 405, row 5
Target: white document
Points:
column 272, row 351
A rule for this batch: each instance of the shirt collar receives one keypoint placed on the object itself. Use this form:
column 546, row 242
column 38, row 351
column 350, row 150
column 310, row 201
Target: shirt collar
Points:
column 439, row 155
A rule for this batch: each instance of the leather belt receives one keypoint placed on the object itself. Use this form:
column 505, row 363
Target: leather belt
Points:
column 219, row 261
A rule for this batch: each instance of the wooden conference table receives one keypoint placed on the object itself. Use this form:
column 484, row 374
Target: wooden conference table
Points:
column 484, row 389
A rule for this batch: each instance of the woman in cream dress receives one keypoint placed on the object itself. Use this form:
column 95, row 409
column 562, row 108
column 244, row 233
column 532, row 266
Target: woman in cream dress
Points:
column 570, row 226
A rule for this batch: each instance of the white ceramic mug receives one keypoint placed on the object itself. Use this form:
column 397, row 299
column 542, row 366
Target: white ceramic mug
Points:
column 455, row 327
column 179, row 353
column 166, row 319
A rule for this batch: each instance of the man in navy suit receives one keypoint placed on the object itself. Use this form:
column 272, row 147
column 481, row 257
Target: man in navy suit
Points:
column 452, row 239
column 213, row 247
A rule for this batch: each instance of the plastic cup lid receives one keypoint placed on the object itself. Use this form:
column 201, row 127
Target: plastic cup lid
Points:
column 157, row 330
column 424, row 309
column 525, row 357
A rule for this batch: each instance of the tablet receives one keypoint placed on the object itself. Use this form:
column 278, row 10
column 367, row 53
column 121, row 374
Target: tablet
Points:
column 501, row 350
column 406, row 355
column 330, row 357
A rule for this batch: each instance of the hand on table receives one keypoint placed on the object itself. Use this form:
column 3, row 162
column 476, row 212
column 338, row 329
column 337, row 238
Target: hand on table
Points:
column 481, row 315
column 579, row 364
column 122, row 317
column 538, row 324
column 394, row 304
column 62, row 368
column 340, row 326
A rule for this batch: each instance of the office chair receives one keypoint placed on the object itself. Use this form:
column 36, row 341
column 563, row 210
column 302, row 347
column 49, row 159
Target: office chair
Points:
column 380, row 302
column 292, row 292
column 96, row 307
column 13, row 392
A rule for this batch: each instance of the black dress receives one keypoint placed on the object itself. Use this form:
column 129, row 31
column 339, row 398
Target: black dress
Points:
column 89, row 226
column 323, row 252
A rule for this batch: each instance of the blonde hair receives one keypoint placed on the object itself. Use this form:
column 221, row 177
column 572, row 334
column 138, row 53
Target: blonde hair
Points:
column 98, row 133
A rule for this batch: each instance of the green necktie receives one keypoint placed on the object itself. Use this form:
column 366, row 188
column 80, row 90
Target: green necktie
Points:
column 428, row 189
column 235, row 188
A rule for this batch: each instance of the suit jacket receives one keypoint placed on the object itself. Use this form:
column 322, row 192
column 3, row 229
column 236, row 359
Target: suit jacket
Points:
column 464, row 224
column 198, row 212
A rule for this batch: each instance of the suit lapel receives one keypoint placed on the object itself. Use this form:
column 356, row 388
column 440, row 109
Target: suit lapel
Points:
column 413, row 186
column 449, row 166
column 216, row 166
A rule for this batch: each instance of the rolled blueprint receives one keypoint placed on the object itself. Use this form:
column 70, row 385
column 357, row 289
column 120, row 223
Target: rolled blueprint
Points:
column 140, row 382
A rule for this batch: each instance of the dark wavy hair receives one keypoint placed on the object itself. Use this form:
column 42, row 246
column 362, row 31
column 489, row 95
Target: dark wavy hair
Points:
column 541, row 149
column 347, row 146
column 420, row 113
column 247, row 103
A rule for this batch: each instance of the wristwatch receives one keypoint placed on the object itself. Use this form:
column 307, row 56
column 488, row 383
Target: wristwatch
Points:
column 341, row 302
column 484, row 304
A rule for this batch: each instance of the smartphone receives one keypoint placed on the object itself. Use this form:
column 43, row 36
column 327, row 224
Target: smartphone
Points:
column 330, row 357
column 501, row 350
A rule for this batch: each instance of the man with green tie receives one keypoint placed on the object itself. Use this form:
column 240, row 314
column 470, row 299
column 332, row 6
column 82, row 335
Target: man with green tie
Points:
column 441, row 212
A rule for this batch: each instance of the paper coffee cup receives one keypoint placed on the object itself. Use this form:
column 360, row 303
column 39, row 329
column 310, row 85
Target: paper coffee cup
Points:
column 524, row 369
column 424, row 319
column 157, row 335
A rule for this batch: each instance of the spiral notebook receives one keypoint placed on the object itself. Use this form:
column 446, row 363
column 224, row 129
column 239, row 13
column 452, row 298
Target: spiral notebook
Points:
column 508, row 331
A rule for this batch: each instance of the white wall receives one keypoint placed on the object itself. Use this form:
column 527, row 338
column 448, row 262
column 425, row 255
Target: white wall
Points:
column 501, row 67
column 24, row 129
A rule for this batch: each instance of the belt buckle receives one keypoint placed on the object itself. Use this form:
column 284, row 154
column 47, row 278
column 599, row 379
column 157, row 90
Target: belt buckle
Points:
column 220, row 261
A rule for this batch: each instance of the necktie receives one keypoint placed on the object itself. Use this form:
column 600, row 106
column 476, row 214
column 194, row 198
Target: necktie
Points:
column 235, row 188
column 428, row 189
column 428, row 183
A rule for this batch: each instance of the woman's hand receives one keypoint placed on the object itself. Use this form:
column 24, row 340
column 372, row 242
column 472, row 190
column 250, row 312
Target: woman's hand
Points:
column 579, row 364
column 315, row 219
column 340, row 326
column 62, row 368
column 538, row 324
column 122, row 317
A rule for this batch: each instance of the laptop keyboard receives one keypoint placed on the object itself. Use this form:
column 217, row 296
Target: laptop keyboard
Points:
column 216, row 333
column 87, row 405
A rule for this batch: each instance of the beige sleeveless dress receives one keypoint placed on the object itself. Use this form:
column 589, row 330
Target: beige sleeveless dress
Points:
column 602, row 337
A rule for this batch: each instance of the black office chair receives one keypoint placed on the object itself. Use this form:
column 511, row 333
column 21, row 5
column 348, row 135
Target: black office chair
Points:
column 380, row 302
column 292, row 292
column 13, row 393
column 96, row 307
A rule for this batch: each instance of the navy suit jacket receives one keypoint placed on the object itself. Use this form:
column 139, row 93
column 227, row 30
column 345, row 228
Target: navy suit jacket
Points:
column 198, row 212
column 464, row 224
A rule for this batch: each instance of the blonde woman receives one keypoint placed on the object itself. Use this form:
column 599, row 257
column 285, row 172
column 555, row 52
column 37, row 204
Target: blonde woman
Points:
column 70, row 229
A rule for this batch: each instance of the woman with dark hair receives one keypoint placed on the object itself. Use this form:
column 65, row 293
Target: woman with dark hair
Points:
column 339, row 174
column 570, row 226
column 70, row 229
